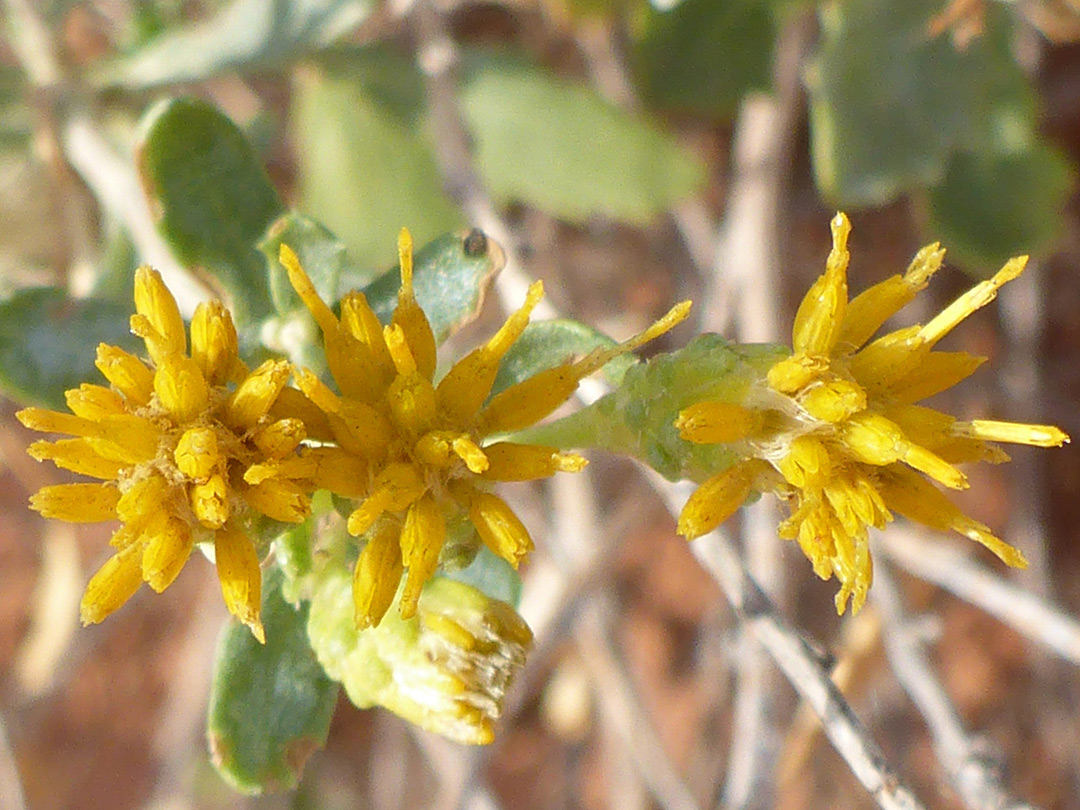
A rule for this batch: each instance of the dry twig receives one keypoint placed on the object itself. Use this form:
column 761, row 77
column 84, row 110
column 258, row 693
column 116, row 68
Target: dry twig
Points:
column 970, row 765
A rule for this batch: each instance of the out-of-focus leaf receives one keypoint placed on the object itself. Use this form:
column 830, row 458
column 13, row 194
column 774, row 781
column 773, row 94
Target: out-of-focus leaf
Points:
column 364, row 171
column 560, row 147
column 450, row 276
column 990, row 208
column 245, row 34
column 47, row 342
column 212, row 199
column 889, row 104
column 703, row 56
column 270, row 705
column 546, row 344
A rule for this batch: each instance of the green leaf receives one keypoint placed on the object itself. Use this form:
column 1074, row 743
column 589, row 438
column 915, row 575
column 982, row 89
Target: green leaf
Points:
column 638, row 418
column 364, row 169
column 450, row 276
column 212, row 199
column 703, row 56
column 270, row 705
column 990, row 208
column 320, row 252
column 560, row 147
column 889, row 104
column 47, row 342
column 244, row 35
column 546, row 344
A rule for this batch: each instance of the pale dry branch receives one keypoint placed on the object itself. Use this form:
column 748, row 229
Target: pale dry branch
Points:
column 11, row 792
column 798, row 660
column 945, row 565
column 971, row 766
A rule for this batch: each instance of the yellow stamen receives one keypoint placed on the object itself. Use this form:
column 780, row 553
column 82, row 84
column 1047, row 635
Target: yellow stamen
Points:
column 821, row 314
column 196, row 453
column 254, row 396
column 214, row 344
column 155, row 304
column 408, row 316
column 394, row 489
column 181, row 387
column 209, row 501
column 127, row 372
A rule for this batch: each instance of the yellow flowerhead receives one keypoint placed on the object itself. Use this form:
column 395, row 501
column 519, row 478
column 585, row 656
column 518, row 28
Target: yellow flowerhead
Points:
column 415, row 452
column 836, row 431
column 185, row 451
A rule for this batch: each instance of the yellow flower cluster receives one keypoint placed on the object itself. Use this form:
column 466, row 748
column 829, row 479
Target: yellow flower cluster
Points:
column 186, row 450
column 420, row 451
column 195, row 448
column 836, row 430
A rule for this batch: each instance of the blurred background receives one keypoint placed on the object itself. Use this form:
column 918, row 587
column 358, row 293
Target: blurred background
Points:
column 629, row 154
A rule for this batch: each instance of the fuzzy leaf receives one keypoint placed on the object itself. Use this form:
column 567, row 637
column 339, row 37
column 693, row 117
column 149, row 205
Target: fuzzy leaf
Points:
column 212, row 199
column 270, row 705
column 47, row 342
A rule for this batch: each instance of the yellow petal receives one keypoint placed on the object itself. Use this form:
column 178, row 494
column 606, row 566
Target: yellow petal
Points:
column 94, row 401
column 46, row 421
column 214, row 344
column 362, row 430
column 241, row 579
column 360, row 320
column 254, row 396
column 279, row 499
column 114, row 583
column 181, row 388
column 412, row 403
column 78, row 456
column 532, row 399
column 127, row 372
column 866, row 312
column 935, row 372
column 168, row 546
column 422, row 539
column 1011, row 432
column 144, row 499
column 376, row 577
column 508, row 461
column 340, row 472
column 916, row 499
column 301, row 282
column 465, row 387
column 127, row 438
column 806, row 462
column 196, row 453
column 717, row 499
column 393, row 490
column 833, row 400
column 717, row 422
column 293, row 404
column 499, row 528
column 155, row 303
column 977, row 297
column 821, row 313
column 209, row 501
column 873, row 439
column 409, row 317
column 77, row 503
column 279, row 438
